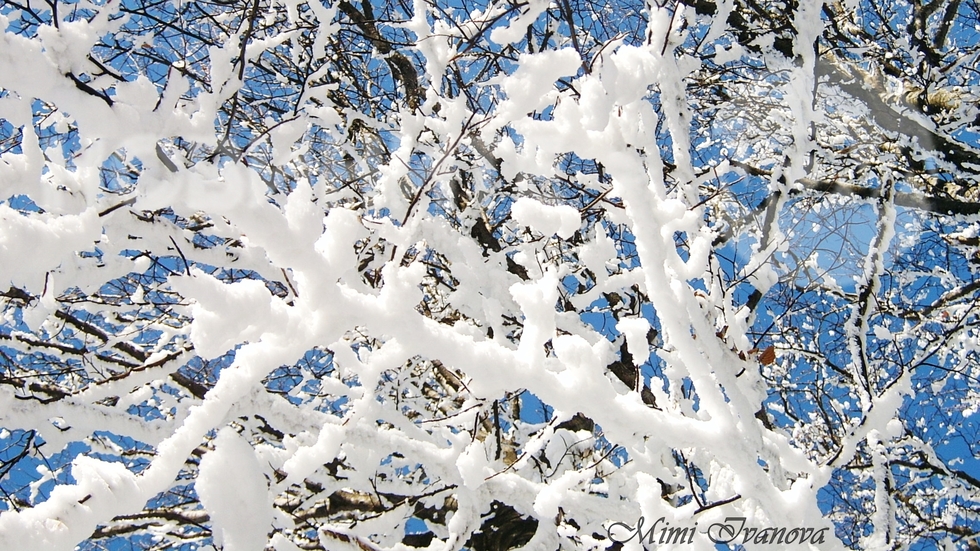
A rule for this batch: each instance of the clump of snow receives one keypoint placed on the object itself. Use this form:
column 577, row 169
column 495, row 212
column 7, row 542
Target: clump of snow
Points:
column 562, row 220
column 63, row 519
column 46, row 240
column 139, row 93
column 474, row 465
column 537, row 301
column 283, row 137
column 518, row 26
column 573, row 351
column 636, row 330
column 233, row 490
column 894, row 428
column 227, row 314
column 532, row 85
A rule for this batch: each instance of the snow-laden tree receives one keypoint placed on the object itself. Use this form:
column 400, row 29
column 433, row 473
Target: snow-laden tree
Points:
column 290, row 275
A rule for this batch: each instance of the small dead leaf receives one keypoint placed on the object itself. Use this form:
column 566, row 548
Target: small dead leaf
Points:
column 768, row 356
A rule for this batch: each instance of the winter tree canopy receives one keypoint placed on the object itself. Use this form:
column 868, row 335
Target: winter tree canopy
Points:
column 453, row 274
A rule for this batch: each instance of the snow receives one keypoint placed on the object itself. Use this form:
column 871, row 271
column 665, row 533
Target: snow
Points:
column 537, row 300
column 517, row 26
column 377, row 324
column 551, row 497
column 283, row 137
column 474, row 465
column 63, row 520
column 532, row 86
column 46, row 240
column 233, row 489
column 561, row 220
column 224, row 316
